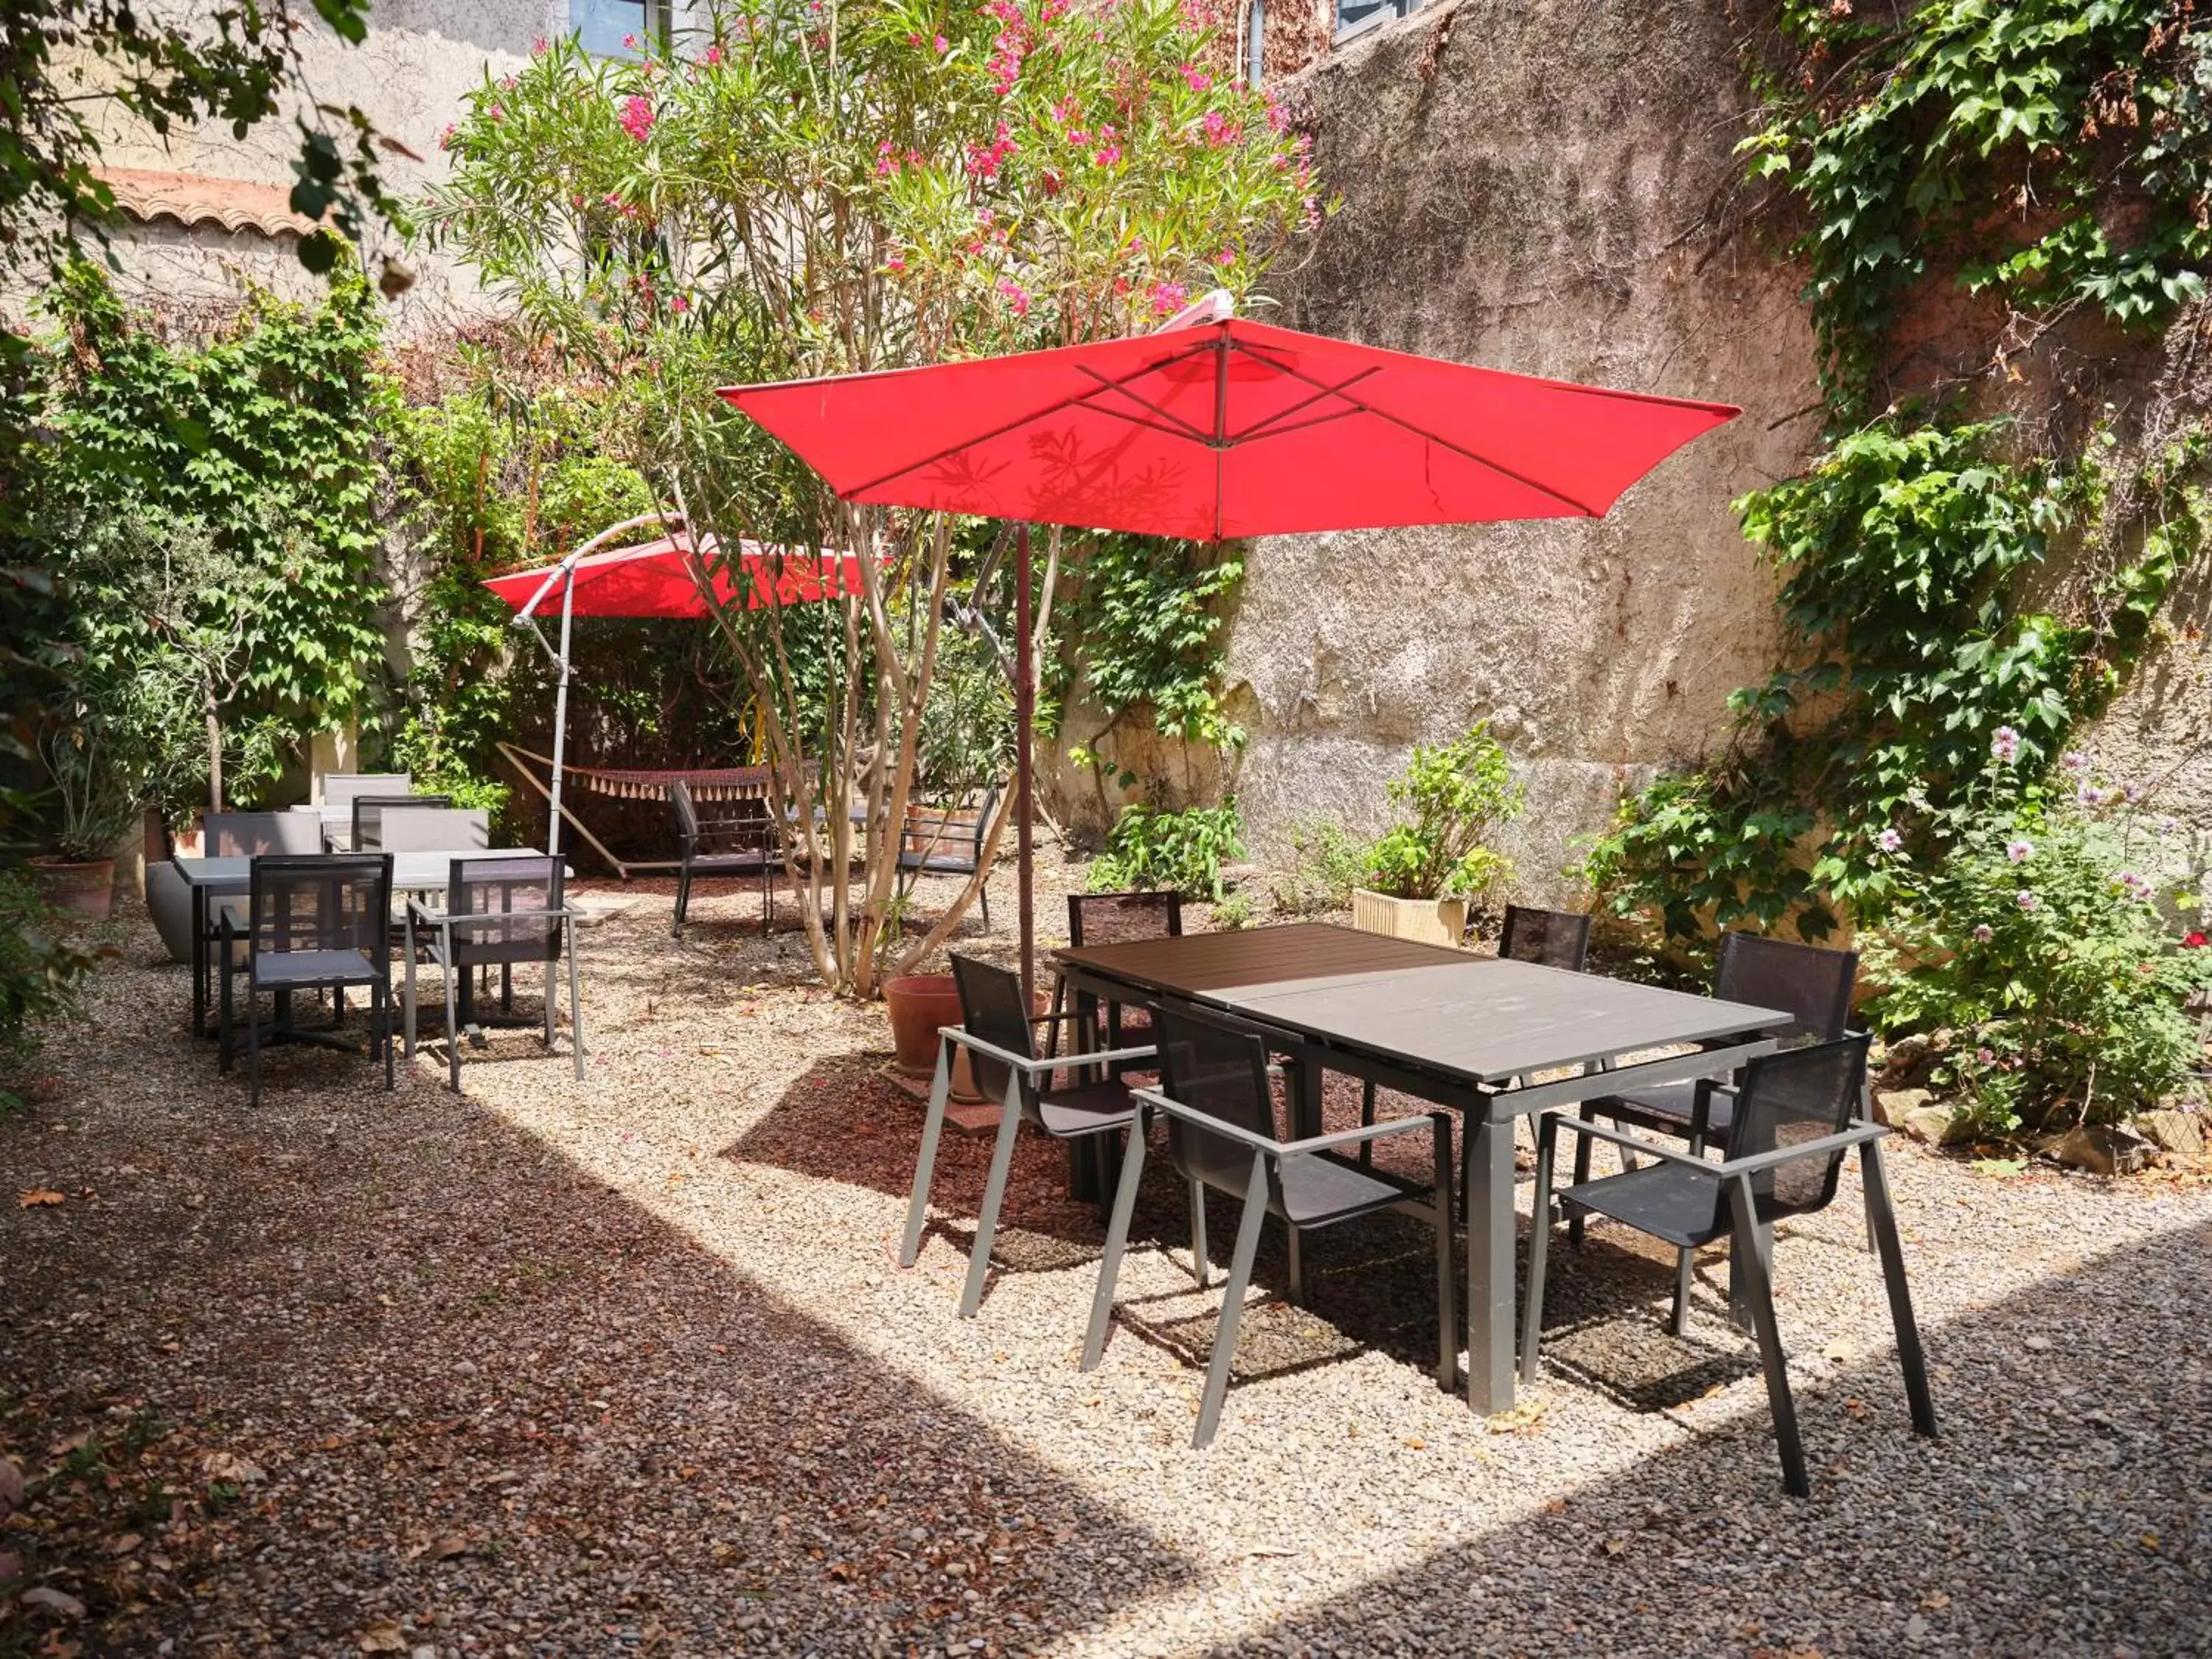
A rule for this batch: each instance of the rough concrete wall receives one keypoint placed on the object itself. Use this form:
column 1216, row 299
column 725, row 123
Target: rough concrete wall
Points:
column 1521, row 184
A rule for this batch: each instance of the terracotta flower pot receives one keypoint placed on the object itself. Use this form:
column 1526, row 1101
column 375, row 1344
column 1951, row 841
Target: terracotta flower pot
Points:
column 920, row 1005
column 85, row 885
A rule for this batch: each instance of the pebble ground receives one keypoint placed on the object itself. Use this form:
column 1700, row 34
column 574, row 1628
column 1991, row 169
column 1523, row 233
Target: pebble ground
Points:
column 627, row 1366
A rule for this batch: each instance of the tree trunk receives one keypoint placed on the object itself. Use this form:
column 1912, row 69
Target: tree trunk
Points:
column 214, row 714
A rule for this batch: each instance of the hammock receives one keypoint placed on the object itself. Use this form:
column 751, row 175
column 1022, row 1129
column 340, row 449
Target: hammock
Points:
column 643, row 783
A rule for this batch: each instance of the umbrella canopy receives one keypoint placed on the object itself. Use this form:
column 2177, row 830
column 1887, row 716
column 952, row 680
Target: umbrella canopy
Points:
column 656, row 580
column 1226, row 429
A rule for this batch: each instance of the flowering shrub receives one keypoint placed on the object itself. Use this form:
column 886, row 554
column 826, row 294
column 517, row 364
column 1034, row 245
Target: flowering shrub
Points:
column 1454, row 794
column 799, row 188
column 2038, row 945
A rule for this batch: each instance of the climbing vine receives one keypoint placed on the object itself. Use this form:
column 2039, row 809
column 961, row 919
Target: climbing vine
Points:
column 1145, row 634
column 1944, row 594
column 2052, row 153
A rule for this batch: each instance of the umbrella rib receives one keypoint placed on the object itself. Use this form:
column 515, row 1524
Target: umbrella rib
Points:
column 1197, row 433
column 1017, row 423
column 1259, row 428
column 1503, row 471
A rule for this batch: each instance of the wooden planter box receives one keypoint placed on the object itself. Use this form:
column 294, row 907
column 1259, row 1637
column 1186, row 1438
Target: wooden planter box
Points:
column 1426, row 921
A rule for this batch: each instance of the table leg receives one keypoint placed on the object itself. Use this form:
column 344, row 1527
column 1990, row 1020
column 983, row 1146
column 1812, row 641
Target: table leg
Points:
column 1489, row 1333
column 1303, row 1077
column 200, row 961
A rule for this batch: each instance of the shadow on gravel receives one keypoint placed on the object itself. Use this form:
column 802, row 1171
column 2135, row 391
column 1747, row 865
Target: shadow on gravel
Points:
column 2062, row 1511
column 492, row 1400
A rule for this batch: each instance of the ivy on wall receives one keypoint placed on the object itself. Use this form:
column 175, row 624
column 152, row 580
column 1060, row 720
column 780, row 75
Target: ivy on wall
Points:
column 1924, row 617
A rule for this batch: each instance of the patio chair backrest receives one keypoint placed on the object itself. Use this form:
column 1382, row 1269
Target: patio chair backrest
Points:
column 338, row 902
column 369, row 810
column 740, row 824
column 1813, row 982
column 1223, row 1072
column 991, row 1008
column 1119, row 918
column 339, row 788
column 1792, row 1095
column 435, row 830
column 1552, row 938
column 250, row 834
column 508, row 889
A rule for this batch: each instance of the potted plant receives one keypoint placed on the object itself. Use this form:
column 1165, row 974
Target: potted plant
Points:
column 98, row 809
column 1425, row 870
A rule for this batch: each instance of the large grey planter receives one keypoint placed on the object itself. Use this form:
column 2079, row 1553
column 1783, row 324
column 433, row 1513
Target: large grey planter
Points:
column 170, row 903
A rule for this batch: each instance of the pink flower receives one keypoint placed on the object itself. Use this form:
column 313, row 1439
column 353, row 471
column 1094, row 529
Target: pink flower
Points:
column 629, row 43
column 2020, row 849
column 538, row 47
column 714, row 55
column 678, row 304
column 1168, row 298
column 2005, row 745
column 499, row 112
column 2194, row 940
column 445, row 138
column 1108, row 156
column 637, row 119
column 1197, row 78
column 895, row 262
column 1984, row 933
column 1226, row 257
column 943, row 45
column 1016, row 297
column 2028, row 902
column 1889, row 841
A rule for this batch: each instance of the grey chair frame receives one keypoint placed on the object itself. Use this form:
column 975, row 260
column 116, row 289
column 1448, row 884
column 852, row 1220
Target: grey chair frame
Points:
column 928, row 860
column 443, row 925
column 384, row 803
column 1018, row 1105
column 376, row 972
column 1752, row 1245
column 735, row 863
column 1258, row 1186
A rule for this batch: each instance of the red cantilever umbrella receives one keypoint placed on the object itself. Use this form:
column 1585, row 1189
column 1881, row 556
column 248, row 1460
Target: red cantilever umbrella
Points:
column 1215, row 427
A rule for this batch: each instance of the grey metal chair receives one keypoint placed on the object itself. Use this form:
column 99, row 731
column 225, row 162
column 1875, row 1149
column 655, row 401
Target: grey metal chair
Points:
column 339, row 788
column 436, row 830
column 736, row 842
column 502, row 912
column 242, row 836
column 320, row 921
column 995, row 1030
column 369, row 812
column 1215, row 1095
column 1810, row 982
column 950, row 847
column 1790, row 1126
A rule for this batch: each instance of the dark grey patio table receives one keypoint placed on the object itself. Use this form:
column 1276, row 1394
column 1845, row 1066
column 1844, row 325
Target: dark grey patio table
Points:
column 1463, row 1032
column 228, row 877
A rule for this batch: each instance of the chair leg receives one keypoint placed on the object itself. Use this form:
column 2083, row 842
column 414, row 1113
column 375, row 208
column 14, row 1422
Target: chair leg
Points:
column 933, row 1126
column 1883, row 1217
column 1233, row 1304
column 552, row 1005
column 252, row 1043
column 576, row 1004
column 683, row 902
column 382, row 992
column 1540, row 1235
column 1117, row 1241
column 1749, row 1247
column 1686, row 1268
column 452, row 1028
column 1199, row 1266
column 1298, row 1267
column 1059, row 1007
column 1582, row 1174
column 985, row 893
column 226, row 1045
column 995, row 1193
column 1367, row 1121
column 407, row 1000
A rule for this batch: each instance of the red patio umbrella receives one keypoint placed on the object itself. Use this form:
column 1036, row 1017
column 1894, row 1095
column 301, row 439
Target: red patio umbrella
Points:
column 662, row 578
column 1217, row 427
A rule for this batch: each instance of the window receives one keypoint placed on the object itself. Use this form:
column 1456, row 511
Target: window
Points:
column 602, row 26
column 1358, row 16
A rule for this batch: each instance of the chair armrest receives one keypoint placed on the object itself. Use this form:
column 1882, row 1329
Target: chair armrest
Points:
column 1043, row 1064
column 1395, row 1126
column 1741, row 1166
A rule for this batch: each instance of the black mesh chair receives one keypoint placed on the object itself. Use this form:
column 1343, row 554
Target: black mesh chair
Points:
column 1811, row 983
column 1790, row 1128
column 949, row 847
column 1220, row 1110
column 240, row 836
column 735, row 841
column 1552, row 938
column 499, row 912
column 368, row 812
column 1118, row 919
column 995, row 1030
column 320, row 922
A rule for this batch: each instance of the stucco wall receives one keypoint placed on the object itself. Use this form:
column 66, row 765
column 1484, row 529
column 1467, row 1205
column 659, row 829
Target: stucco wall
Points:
column 1522, row 184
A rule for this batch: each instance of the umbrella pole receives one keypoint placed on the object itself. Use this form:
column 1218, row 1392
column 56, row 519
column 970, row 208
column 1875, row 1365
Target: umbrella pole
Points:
column 561, row 714
column 1025, row 711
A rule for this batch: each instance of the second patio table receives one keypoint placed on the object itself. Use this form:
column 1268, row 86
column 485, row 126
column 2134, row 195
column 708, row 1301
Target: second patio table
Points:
column 1465, row 1032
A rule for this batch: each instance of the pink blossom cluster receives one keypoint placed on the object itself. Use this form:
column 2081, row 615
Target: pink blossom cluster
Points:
column 445, row 138
column 1168, row 298
column 637, row 117
column 1016, row 296
column 889, row 160
column 985, row 160
column 1219, row 131
column 1110, row 148
column 1009, row 47
column 1196, row 78
column 540, row 46
column 714, row 55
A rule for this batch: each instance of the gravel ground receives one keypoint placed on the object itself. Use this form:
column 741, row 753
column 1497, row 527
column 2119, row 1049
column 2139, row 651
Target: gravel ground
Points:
column 627, row 1366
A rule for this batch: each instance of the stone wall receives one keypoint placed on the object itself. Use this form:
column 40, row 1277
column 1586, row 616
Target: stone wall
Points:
column 1523, row 184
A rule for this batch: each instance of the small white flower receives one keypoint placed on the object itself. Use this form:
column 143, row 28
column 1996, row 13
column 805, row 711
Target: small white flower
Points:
column 1889, row 841
column 2027, row 901
column 2020, row 849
